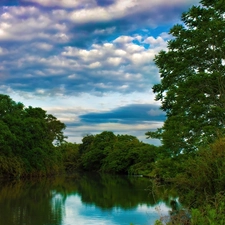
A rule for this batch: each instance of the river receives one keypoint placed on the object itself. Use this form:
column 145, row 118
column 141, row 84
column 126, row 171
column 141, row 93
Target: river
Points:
column 81, row 199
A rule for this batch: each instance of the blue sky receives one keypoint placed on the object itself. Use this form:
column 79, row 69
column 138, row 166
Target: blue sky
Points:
column 83, row 214
column 87, row 62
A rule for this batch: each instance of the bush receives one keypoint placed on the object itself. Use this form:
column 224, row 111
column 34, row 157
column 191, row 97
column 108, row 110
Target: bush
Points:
column 203, row 176
column 11, row 166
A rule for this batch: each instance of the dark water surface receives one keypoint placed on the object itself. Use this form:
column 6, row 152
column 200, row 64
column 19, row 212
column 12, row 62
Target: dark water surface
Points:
column 84, row 199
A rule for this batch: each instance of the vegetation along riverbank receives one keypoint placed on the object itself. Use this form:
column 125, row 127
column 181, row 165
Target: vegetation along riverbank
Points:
column 191, row 159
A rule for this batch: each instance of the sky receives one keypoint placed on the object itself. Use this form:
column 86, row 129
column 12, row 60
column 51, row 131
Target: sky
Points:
column 88, row 62
column 83, row 214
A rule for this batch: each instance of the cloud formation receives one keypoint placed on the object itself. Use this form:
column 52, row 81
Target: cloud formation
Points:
column 129, row 114
column 70, row 49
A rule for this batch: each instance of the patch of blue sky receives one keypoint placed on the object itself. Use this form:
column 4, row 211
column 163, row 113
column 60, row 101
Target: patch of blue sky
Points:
column 83, row 59
column 85, row 214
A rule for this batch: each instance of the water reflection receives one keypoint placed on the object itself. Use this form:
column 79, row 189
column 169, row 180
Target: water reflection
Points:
column 81, row 199
column 115, row 191
column 28, row 203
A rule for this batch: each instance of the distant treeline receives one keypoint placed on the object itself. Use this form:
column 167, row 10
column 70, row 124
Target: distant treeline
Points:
column 191, row 159
column 110, row 153
column 32, row 143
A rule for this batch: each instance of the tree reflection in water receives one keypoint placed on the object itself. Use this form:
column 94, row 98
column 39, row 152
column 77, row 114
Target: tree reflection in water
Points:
column 42, row 201
column 29, row 202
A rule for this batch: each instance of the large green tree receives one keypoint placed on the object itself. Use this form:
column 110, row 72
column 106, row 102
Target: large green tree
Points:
column 110, row 153
column 29, row 134
column 95, row 148
column 192, row 86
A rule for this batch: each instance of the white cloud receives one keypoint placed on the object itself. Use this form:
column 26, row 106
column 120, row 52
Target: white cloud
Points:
column 74, row 54
column 30, row 23
column 115, row 61
column 91, row 12
column 90, row 15
column 16, row 11
column 61, row 3
column 94, row 65
column 107, row 53
column 154, row 41
column 43, row 46
column 123, row 39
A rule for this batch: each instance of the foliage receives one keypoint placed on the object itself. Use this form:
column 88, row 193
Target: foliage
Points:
column 107, row 152
column 199, row 182
column 144, row 158
column 32, row 143
column 192, row 94
column 212, row 213
column 122, row 155
column 27, row 139
column 12, row 166
column 192, row 88
column 158, row 222
column 86, row 143
column 209, row 213
column 167, row 168
column 71, row 156
column 203, row 175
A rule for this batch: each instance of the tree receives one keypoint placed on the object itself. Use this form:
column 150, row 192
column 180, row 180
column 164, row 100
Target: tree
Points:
column 95, row 148
column 7, row 140
column 123, row 153
column 87, row 142
column 192, row 87
column 29, row 134
column 70, row 153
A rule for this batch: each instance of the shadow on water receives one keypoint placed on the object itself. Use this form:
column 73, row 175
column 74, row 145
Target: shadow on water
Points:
column 107, row 191
column 23, row 202
column 42, row 201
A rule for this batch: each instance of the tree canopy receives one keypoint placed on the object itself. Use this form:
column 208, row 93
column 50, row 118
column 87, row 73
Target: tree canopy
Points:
column 192, row 86
column 107, row 152
column 29, row 134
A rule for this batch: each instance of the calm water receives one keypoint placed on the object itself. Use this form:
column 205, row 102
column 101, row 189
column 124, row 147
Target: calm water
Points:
column 88, row 199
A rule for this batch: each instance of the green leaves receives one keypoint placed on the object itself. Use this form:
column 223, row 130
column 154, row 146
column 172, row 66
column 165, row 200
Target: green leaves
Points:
column 123, row 154
column 29, row 134
column 192, row 88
